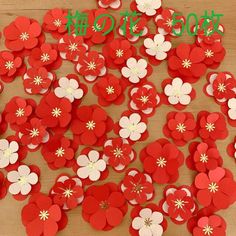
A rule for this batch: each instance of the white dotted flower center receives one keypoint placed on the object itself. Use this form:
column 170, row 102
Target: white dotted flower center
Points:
column 90, row 125
column 57, row 23
column 181, row 128
column 221, row 87
column 161, row 162
column 110, row 90
column 24, row 36
column 137, row 188
column 207, row 230
column 60, row 152
column 144, row 99
column 118, row 152
column 169, row 22
column 45, row 57
column 209, row 53
column 204, row 158
column 68, row 193
column 179, row 203
column 56, row 112
column 98, row 28
column 38, row 80
column 20, row 112
column 186, row 63
column 73, row 47
column 119, row 53
column 43, row 215
column 210, row 127
column 9, row 65
column 135, row 28
column 91, row 65
column 34, row 132
column 213, row 187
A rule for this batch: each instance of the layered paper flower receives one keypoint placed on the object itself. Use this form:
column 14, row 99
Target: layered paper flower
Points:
column 162, row 160
column 104, row 206
column 137, row 187
column 67, row 192
column 181, row 127
column 178, row 203
column 147, row 220
column 231, row 149
column 118, row 153
column 229, row 109
column 113, row 4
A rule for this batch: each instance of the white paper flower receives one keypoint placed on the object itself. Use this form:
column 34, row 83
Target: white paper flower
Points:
column 148, row 223
column 157, row 47
column 135, row 70
column 132, row 127
column 8, row 152
column 90, row 166
column 21, row 180
column 232, row 108
column 69, row 88
column 114, row 5
column 149, row 7
column 178, row 92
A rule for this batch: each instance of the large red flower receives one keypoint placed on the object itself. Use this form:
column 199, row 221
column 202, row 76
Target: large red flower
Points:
column 104, row 206
column 3, row 188
column 161, row 159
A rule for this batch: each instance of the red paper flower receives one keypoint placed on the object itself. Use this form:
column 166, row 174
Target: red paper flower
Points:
column 67, row 192
column 109, row 90
column 91, row 125
column 3, row 188
column 118, row 153
column 178, row 203
column 181, row 127
column 71, row 47
column 55, row 21
column 137, row 187
column 58, row 152
column 203, row 157
column 54, row 111
column 231, row 149
column 10, row 66
column 212, row 126
column 113, row 4
column 41, row 217
column 37, row 80
column 187, row 62
column 162, row 160
column 216, row 189
column 229, row 109
column 3, row 124
column 104, row 206
column 91, row 65
column 144, row 99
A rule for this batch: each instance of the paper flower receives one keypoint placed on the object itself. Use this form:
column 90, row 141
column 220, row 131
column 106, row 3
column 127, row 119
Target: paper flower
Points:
column 37, row 80
column 203, row 157
column 104, row 206
column 71, row 47
column 162, row 160
column 67, row 192
column 8, row 152
column 118, row 153
column 178, row 203
column 149, row 7
column 216, row 189
column 156, row 47
column 90, row 165
column 110, row 90
column 113, row 4
column 232, row 108
column 3, row 188
column 231, row 149
column 3, row 124
column 54, row 22
column 181, row 127
column 91, row 125
column 1, row 87
column 58, row 152
column 187, row 63
column 212, row 126
column 137, row 187
column 91, row 65
column 147, row 220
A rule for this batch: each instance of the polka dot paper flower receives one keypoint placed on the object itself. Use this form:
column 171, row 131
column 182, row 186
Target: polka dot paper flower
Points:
column 67, row 192
column 104, row 206
column 149, row 7
column 147, row 220
column 137, row 187
column 118, row 153
column 113, row 4
column 231, row 149
column 178, row 203
column 162, row 160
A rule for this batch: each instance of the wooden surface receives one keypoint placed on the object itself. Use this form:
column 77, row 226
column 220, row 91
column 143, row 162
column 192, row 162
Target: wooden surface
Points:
column 10, row 209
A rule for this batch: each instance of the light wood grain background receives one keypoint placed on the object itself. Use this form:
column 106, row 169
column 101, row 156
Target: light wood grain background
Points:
column 10, row 209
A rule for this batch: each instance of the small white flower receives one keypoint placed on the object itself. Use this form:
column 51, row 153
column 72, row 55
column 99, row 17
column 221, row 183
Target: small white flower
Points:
column 135, row 70
column 69, row 88
column 157, row 47
column 132, row 127
column 178, row 92
column 149, row 7
column 8, row 152
column 114, row 5
column 148, row 223
column 21, row 180
column 90, row 166
column 232, row 108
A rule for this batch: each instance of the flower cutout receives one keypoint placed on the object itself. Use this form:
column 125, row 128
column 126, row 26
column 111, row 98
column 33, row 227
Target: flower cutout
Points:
column 149, row 7
column 231, row 149
column 113, row 4
column 67, row 192
column 232, row 108
column 118, row 153
column 104, row 206
column 137, row 187
column 91, row 165
column 162, row 160
column 178, row 203
column 3, row 188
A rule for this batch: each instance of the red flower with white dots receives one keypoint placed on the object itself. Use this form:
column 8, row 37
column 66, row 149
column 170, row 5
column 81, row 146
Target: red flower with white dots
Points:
column 137, row 187
column 118, row 153
column 181, row 127
column 231, row 149
column 37, row 80
column 162, row 160
column 178, row 203
column 67, row 192
column 109, row 90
